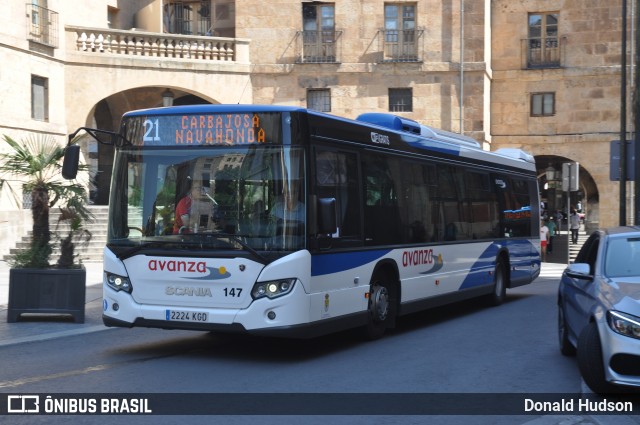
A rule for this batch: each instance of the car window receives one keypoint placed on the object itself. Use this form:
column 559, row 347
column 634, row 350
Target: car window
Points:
column 589, row 252
column 622, row 257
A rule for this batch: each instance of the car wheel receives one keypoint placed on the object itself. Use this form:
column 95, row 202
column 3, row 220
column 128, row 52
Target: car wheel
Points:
column 590, row 360
column 380, row 308
column 566, row 348
column 499, row 284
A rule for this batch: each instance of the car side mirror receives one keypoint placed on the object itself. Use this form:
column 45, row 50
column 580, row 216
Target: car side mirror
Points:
column 579, row 271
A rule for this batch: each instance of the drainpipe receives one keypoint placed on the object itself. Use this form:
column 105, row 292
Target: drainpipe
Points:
column 462, row 66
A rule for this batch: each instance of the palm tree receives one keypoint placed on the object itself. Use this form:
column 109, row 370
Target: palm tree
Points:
column 36, row 162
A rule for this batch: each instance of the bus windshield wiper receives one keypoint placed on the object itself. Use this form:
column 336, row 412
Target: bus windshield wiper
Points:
column 130, row 252
column 165, row 244
column 246, row 247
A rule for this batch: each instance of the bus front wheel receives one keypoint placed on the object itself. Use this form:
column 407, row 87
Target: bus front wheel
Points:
column 379, row 309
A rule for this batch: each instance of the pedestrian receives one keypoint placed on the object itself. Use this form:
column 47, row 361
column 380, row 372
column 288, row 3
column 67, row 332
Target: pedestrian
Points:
column 574, row 226
column 544, row 240
column 551, row 224
column 559, row 217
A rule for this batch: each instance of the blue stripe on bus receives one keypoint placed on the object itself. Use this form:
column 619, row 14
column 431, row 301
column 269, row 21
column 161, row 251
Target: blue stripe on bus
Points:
column 335, row 263
column 478, row 274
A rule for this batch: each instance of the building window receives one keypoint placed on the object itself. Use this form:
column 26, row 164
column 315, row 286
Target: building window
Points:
column 112, row 17
column 319, row 33
column 543, row 104
column 543, row 45
column 196, row 18
column 42, row 23
column 319, row 100
column 400, row 100
column 400, row 33
column 39, row 98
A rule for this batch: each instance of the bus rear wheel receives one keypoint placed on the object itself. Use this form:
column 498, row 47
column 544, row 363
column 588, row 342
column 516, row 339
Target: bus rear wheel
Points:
column 499, row 284
column 380, row 309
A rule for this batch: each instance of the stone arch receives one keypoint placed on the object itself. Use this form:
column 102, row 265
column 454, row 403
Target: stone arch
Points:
column 106, row 115
column 551, row 190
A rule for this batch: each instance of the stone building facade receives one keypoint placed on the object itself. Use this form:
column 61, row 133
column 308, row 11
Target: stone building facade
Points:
column 541, row 75
column 578, row 69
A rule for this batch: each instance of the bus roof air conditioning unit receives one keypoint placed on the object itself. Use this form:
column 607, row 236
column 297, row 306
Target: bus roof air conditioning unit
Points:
column 395, row 122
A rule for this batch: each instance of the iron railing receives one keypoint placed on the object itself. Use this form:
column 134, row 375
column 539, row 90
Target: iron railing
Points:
column 401, row 45
column 42, row 25
column 542, row 53
column 320, row 46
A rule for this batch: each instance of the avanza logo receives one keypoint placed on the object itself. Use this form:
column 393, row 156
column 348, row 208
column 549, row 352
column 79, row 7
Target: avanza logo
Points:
column 178, row 266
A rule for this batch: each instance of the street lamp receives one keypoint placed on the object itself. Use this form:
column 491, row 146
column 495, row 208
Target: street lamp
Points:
column 167, row 98
column 550, row 185
column 550, row 173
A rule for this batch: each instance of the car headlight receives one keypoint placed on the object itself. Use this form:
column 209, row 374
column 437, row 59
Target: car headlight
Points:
column 624, row 324
column 119, row 283
column 272, row 288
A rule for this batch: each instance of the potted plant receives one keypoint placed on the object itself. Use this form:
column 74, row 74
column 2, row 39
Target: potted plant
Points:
column 36, row 286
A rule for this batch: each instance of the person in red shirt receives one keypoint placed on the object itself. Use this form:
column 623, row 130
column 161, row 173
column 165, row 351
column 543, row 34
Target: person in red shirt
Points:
column 182, row 222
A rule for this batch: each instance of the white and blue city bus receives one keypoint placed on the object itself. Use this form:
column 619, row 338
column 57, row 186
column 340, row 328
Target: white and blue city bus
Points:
column 304, row 223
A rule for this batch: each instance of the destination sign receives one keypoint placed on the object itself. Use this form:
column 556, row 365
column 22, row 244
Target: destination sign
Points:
column 203, row 129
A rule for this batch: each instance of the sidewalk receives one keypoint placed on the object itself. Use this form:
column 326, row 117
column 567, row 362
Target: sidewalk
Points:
column 36, row 328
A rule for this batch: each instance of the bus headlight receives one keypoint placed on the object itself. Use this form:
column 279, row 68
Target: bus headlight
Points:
column 119, row 283
column 272, row 289
column 624, row 324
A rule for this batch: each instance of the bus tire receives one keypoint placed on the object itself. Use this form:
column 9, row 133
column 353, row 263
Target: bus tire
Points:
column 499, row 292
column 380, row 308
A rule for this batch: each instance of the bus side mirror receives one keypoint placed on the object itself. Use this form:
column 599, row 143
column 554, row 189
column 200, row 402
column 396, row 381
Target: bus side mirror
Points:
column 70, row 162
column 327, row 216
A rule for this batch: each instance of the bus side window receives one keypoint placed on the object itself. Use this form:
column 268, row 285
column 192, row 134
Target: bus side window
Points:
column 337, row 177
column 382, row 219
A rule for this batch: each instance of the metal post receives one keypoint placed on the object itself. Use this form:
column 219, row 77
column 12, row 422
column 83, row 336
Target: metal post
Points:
column 461, row 66
column 623, row 118
column 636, row 119
column 568, row 227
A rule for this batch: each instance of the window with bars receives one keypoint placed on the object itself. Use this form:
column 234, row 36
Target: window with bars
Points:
column 400, row 100
column 42, row 23
column 214, row 18
column 319, row 100
column 543, row 104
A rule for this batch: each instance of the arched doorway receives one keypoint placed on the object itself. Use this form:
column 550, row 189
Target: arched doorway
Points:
column 586, row 199
column 106, row 116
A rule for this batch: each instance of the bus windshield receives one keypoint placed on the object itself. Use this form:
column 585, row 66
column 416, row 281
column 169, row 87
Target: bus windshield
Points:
column 207, row 198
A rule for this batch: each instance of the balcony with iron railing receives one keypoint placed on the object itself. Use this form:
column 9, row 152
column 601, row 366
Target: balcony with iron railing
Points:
column 42, row 25
column 319, row 46
column 133, row 43
column 542, row 53
column 401, row 45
